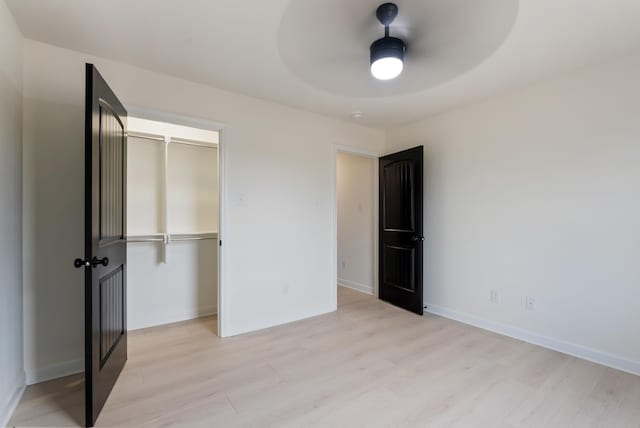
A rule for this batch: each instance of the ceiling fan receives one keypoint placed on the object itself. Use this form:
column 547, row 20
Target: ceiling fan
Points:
column 387, row 53
column 385, row 48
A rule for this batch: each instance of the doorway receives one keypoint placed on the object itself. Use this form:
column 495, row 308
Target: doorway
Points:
column 391, row 222
column 172, row 222
column 356, row 224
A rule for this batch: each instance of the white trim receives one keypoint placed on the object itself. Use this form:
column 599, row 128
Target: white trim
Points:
column 253, row 329
column 333, row 267
column 54, row 371
column 222, row 228
column 358, row 152
column 376, row 227
column 569, row 348
column 338, row 148
column 171, row 318
column 161, row 116
column 9, row 405
column 363, row 288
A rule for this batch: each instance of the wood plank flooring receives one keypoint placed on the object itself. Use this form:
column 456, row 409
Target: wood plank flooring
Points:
column 367, row 365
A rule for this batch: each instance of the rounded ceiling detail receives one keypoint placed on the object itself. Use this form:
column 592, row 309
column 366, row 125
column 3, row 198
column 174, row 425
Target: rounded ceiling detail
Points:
column 326, row 42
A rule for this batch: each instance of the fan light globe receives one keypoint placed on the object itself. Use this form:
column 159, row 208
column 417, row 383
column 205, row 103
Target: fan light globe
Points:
column 387, row 68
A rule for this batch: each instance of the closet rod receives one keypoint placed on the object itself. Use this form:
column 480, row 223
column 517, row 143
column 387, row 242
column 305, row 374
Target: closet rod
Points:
column 192, row 236
column 172, row 238
column 146, row 137
column 193, row 143
column 202, row 238
column 144, row 239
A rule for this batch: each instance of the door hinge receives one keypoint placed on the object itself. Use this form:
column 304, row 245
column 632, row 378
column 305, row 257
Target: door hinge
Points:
column 220, row 242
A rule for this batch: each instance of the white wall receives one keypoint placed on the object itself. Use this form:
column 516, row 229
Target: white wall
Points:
column 11, row 361
column 145, row 184
column 182, row 288
column 278, row 246
column 192, row 189
column 355, row 182
column 537, row 193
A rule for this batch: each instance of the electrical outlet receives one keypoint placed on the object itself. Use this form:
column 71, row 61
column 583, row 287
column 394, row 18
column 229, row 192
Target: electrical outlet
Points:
column 494, row 296
column 344, row 264
column 530, row 303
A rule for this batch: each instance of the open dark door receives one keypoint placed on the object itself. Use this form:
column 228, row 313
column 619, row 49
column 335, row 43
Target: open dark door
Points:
column 105, row 246
column 401, row 235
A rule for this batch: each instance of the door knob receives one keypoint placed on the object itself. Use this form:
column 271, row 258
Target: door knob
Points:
column 96, row 261
column 78, row 263
column 417, row 238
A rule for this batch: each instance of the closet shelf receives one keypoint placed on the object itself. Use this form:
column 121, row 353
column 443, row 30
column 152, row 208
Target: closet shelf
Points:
column 147, row 137
column 193, row 143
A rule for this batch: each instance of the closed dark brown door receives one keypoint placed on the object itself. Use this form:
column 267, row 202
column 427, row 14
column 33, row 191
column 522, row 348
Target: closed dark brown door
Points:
column 105, row 246
column 401, row 234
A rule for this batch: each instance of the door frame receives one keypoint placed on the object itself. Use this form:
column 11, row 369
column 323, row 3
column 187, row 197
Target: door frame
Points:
column 338, row 148
column 176, row 119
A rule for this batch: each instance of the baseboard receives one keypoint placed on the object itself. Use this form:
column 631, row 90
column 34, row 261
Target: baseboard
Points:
column 170, row 319
column 356, row 286
column 569, row 348
column 54, row 371
column 250, row 329
column 8, row 406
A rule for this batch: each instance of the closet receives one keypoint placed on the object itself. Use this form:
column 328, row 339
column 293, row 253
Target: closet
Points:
column 172, row 223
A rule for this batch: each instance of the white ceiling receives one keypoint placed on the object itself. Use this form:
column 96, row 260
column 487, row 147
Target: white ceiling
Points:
column 239, row 46
column 444, row 38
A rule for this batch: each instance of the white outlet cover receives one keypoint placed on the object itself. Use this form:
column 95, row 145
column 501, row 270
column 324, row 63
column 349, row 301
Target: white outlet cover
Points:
column 530, row 303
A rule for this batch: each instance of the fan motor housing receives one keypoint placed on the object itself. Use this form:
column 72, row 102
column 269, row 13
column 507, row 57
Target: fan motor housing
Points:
column 387, row 47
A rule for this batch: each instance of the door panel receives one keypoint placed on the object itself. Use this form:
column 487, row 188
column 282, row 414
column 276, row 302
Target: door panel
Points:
column 111, row 312
column 399, row 269
column 401, row 240
column 398, row 191
column 105, row 246
column 112, row 156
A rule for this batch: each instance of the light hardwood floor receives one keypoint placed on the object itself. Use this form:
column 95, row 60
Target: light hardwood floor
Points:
column 367, row 365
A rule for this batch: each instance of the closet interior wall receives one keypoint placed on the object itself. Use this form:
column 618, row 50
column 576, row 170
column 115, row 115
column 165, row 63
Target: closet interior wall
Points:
column 172, row 223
